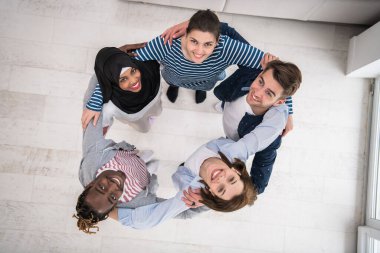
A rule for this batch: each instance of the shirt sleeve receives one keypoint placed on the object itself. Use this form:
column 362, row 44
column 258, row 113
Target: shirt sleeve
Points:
column 260, row 138
column 236, row 52
column 289, row 103
column 225, row 146
column 154, row 50
column 151, row 215
column 95, row 102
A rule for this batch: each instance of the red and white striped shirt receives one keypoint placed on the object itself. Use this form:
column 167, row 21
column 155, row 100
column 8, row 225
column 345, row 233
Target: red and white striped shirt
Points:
column 137, row 175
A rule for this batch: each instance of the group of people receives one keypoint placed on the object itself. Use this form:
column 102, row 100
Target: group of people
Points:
column 119, row 180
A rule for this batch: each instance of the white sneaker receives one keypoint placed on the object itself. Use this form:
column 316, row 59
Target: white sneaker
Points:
column 145, row 155
column 218, row 107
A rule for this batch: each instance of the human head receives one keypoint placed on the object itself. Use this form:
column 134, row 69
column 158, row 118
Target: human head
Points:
column 202, row 35
column 276, row 82
column 109, row 63
column 219, row 180
column 130, row 79
column 98, row 199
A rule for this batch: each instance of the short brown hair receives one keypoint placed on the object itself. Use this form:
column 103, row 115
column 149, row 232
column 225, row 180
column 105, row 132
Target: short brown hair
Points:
column 287, row 74
column 205, row 21
column 247, row 197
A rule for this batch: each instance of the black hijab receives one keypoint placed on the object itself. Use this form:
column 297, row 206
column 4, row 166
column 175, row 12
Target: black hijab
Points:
column 108, row 64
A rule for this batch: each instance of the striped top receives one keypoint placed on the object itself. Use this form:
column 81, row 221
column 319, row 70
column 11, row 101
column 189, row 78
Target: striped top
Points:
column 137, row 176
column 179, row 71
column 95, row 103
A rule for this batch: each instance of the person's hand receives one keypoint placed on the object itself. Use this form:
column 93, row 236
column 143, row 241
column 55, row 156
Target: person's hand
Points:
column 174, row 32
column 87, row 115
column 289, row 126
column 130, row 48
column 192, row 197
column 266, row 59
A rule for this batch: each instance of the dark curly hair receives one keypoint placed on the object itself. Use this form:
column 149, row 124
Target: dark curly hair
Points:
column 86, row 215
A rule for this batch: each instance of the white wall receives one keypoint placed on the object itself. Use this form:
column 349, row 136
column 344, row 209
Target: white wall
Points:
column 364, row 54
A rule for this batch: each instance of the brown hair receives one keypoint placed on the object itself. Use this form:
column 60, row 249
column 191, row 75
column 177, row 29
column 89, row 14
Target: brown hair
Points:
column 205, row 21
column 287, row 74
column 247, row 197
column 86, row 215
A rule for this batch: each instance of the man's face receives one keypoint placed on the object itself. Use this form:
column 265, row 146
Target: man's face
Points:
column 265, row 92
column 105, row 190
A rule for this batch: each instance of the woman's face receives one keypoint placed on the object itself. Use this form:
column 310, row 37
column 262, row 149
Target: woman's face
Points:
column 197, row 46
column 224, row 182
column 105, row 190
column 130, row 80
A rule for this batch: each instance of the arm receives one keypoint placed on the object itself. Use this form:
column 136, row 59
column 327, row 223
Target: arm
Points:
column 174, row 32
column 189, row 213
column 262, row 165
column 151, row 215
column 221, row 144
column 130, row 48
column 154, row 50
column 92, row 132
column 93, row 104
column 92, row 135
column 262, row 136
column 236, row 52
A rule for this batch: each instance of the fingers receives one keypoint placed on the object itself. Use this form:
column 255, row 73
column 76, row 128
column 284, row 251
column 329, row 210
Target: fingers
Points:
column 171, row 40
column 192, row 198
column 86, row 119
column 166, row 36
column 270, row 57
column 87, row 115
column 96, row 117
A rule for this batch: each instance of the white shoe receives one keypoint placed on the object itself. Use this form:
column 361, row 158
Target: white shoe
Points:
column 145, row 155
column 218, row 107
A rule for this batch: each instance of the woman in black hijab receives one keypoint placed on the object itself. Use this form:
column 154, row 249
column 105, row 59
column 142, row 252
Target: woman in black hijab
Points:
column 129, row 90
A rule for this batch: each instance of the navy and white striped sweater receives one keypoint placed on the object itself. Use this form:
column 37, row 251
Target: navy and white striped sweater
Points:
column 179, row 71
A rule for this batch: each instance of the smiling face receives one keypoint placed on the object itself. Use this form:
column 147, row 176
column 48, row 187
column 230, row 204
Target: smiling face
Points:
column 105, row 190
column 264, row 92
column 223, row 181
column 130, row 80
column 197, row 46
